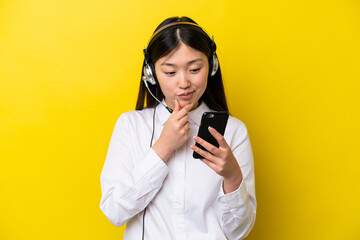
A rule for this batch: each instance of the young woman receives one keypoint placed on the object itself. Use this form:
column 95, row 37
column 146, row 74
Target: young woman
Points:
column 150, row 179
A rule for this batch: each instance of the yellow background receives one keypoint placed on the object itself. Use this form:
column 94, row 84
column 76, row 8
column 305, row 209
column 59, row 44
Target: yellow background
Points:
column 68, row 69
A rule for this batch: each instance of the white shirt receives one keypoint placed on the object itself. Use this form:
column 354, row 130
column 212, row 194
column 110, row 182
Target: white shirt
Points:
column 184, row 198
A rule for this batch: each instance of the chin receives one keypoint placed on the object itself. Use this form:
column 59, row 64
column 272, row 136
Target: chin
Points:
column 183, row 103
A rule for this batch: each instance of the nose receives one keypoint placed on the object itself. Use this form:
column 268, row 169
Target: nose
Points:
column 183, row 81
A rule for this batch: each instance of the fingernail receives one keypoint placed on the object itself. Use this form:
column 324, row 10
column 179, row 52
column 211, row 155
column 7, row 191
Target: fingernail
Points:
column 210, row 128
column 194, row 137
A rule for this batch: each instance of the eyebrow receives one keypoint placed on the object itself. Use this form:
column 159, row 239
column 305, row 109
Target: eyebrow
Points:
column 189, row 63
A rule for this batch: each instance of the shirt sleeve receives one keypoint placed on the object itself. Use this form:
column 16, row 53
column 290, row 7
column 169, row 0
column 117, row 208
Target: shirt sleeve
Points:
column 127, row 185
column 238, row 208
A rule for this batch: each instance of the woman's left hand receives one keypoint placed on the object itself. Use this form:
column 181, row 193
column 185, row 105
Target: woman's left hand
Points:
column 221, row 160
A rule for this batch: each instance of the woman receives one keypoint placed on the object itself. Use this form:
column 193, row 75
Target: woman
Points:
column 150, row 179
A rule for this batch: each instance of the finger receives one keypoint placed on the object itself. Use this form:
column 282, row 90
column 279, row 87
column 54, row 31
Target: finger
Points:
column 188, row 130
column 210, row 164
column 176, row 110
column 204, row 153
column 181, row 113
column 185, row 128
column 184, row 120
column 188, row 107
column 187, row 125
column 177, row 106
column 219, row 138
column 208, row 146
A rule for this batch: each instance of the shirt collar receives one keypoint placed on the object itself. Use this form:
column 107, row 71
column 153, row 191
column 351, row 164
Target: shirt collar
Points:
column 195, row 114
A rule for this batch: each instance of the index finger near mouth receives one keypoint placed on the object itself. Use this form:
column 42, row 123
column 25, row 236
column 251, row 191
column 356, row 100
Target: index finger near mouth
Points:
column 183, row 111
column 188, row 107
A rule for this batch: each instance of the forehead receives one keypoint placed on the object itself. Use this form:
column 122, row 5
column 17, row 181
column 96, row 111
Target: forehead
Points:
column 183, row 54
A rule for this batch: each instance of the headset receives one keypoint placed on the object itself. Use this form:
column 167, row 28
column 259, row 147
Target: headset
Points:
column 149, row 75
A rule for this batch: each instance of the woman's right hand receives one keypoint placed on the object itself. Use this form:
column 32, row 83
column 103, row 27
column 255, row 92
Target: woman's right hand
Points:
column 175, row 132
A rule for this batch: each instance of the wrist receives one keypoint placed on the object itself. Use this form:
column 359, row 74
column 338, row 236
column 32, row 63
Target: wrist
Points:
column 232, row 183
column 162, row 150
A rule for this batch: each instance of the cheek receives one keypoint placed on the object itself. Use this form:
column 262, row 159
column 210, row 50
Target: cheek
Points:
column 165, row 87
column 201, row 81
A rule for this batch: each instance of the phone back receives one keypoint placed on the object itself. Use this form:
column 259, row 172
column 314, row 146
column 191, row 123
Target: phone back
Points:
column 217, row 120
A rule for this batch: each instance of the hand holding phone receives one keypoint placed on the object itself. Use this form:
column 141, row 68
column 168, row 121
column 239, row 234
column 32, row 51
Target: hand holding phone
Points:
column 217, row 120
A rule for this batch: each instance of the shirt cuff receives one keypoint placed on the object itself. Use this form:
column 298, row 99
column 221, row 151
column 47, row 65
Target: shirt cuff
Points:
column 233, row 200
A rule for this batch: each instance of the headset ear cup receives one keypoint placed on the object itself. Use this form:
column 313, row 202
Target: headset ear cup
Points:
column 149, row 74
column 214, row 65
column 152, row 67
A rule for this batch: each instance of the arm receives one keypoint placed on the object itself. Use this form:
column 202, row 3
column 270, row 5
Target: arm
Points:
column 237, row 196
column 127, row 185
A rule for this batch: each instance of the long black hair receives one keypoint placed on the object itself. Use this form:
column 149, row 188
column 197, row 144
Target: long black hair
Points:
column 169, row 40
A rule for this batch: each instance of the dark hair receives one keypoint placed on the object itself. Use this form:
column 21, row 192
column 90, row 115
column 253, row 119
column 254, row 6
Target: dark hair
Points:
column 167, row 41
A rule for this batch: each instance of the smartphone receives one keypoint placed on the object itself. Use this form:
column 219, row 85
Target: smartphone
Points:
column 217, row 120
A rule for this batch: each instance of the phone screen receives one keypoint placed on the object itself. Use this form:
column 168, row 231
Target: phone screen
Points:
column 217, row 120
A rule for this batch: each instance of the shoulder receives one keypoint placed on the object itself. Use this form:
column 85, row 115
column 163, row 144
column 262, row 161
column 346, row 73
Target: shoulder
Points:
column 236, row 128
column 136, row 116
column 137, row 113
column 235, row 123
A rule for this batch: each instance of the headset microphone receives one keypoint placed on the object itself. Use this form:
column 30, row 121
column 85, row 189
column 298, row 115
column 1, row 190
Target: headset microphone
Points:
column 146, row 85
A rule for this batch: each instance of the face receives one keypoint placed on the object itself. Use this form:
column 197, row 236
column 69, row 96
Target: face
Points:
column 182, row 76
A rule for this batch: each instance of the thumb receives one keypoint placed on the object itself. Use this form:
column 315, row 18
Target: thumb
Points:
column 177, row 106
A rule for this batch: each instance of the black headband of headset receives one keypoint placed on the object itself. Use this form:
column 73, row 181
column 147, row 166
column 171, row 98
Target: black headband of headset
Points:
column 157, row 32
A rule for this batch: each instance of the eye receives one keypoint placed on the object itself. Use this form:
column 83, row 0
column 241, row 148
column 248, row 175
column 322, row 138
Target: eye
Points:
column 195, row 70
column 170, row 73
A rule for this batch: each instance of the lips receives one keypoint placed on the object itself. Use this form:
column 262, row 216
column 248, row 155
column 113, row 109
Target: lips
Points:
column 186, row 96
